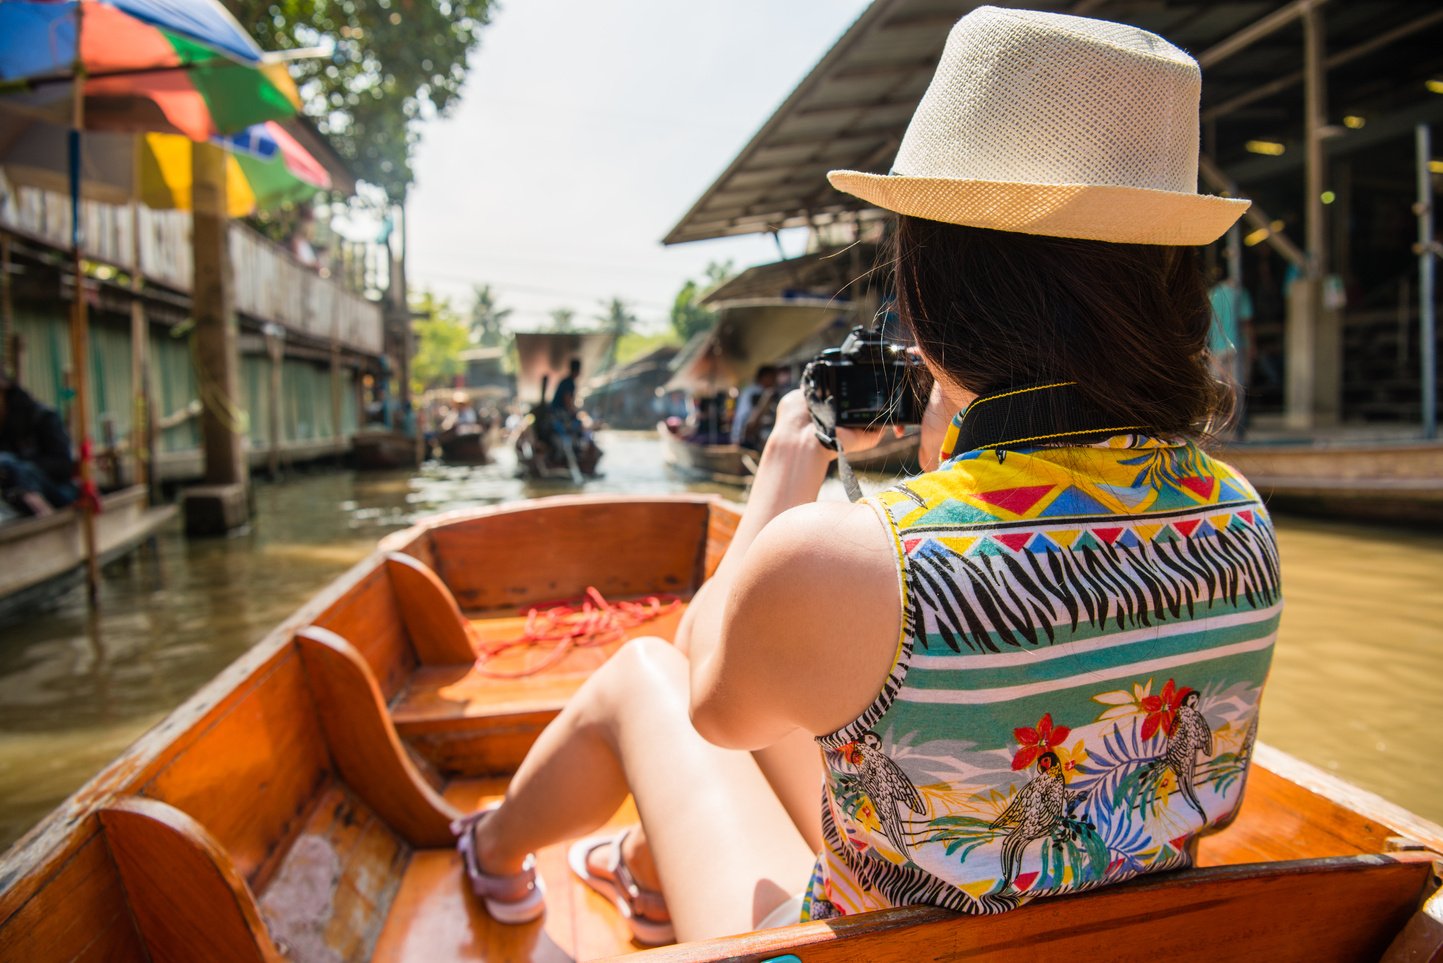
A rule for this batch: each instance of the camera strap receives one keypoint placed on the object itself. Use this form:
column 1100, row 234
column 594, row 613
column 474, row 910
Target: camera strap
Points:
column 824, row 423
column 1031, row 416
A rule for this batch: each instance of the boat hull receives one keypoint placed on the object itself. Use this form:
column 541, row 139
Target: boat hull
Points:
column 725, row 464
column 892, row 455
column 464, row 448
column 384, row 450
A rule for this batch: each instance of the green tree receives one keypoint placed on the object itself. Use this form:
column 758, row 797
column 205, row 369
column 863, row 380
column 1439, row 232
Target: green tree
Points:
column 617, row 320
column 688, row 315
column 395, row 62
column 488, row 319
column 563, row 320
column 441, row 336
column 634, row 344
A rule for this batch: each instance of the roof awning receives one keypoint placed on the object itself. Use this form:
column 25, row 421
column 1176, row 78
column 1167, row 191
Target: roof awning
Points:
column 545, row 354
column 749, row 334
column 851, row 110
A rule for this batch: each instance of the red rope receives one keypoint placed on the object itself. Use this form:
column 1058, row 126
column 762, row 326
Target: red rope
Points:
column 579, row 623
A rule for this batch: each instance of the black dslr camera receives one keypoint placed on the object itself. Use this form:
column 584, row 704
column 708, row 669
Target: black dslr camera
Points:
column 868, row 382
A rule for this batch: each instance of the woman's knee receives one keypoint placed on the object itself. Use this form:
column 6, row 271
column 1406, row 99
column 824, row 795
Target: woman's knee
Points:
column 643, row 676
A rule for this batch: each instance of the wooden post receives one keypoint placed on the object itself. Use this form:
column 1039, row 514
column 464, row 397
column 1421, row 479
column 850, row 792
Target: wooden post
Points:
column 1314, row 330
column 338, row 436
column 276, row 351
column 9, row 363
column 80, row 343
column 1427, row 310
column 221, row 504
column 141, row 448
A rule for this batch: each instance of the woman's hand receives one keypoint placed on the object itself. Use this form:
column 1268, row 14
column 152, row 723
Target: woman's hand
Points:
column 794, row 424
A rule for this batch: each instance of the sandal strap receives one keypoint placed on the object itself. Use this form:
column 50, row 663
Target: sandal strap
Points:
column 505, row 888
column 644, row 902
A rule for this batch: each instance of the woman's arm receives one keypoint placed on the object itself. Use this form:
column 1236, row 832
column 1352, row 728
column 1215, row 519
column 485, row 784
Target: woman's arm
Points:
column 799, row 625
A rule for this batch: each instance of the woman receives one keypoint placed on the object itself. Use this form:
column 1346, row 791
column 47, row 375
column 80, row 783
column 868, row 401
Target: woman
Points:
column 1031, row 670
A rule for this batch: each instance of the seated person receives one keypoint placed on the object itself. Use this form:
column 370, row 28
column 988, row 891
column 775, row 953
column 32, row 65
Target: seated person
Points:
column 36, row 466
column 706, row 426
column 756, row 410
column 567, row 412
column 933, row 696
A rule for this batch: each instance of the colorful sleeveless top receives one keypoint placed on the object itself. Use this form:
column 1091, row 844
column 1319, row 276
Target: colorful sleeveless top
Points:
column 1074, row 699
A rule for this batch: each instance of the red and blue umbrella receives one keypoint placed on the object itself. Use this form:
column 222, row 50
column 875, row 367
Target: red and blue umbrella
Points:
column 178, row 66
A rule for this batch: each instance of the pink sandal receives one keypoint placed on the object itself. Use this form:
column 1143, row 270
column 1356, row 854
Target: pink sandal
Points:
column 513, row 898
column 644, row 910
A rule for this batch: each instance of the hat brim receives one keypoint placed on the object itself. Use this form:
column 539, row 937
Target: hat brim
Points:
column 1093, row 212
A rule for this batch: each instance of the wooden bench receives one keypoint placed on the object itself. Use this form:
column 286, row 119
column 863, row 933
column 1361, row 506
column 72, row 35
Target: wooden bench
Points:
column 407, row 617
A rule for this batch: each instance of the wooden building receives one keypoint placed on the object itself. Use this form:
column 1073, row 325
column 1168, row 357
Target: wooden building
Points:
column 307, row 342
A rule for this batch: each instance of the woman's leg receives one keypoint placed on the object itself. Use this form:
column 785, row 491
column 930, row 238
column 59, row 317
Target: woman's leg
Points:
column 725, row 849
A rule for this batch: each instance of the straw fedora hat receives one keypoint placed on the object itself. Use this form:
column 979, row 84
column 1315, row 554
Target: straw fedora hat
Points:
column 1042, row 123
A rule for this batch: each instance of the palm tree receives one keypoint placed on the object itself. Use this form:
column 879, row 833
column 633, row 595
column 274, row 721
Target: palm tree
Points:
column 563, row 320
column 617, row 320
column 488, row 319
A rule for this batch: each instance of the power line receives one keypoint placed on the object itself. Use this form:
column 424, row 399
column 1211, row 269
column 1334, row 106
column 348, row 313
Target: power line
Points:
column 590, row 298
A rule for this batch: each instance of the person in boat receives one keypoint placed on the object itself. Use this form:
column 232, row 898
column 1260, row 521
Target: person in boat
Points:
column 756, row 410
column 1033, row 669
column 36, row 465
column 1230, row 338
column 707, row 424
column 563, row 399
column 565, row 419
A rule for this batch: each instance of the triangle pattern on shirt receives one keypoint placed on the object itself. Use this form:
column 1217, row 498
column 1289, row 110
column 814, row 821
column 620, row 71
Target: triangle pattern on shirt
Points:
column 1203, row 488
column 1018, row 501
column 1074, row 501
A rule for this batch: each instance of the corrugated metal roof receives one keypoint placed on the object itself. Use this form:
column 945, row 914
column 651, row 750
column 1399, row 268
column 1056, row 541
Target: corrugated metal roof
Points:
column 852, row 109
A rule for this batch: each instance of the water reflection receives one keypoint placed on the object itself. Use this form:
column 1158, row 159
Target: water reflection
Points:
column 1356, row 670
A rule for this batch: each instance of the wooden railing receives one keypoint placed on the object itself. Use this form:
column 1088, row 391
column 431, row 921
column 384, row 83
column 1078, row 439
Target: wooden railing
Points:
column 270, row 285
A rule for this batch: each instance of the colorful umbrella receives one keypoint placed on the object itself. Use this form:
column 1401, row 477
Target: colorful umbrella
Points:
column 185, row 68
column 266, row 169
column 175, row 66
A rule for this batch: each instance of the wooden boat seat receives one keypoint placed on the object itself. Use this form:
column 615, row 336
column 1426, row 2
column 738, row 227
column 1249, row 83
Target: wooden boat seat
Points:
column 466, row 722
column 460, row 719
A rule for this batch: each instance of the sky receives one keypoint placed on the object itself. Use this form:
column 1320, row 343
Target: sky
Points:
column 586, row 131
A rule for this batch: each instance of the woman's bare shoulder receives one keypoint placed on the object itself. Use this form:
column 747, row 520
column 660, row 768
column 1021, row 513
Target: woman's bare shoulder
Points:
column 820, row 585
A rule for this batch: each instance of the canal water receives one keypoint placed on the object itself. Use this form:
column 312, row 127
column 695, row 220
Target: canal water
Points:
column 1356, row 686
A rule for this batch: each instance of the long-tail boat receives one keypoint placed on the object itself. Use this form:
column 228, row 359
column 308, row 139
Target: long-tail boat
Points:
column 748, row 334
column 298, row 806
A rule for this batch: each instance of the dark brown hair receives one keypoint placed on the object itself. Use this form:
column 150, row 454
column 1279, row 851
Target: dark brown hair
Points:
column 1127, row 322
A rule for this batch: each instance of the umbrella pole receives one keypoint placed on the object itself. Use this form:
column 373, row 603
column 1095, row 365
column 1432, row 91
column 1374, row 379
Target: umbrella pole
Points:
column 80, row 350
column 142, row 434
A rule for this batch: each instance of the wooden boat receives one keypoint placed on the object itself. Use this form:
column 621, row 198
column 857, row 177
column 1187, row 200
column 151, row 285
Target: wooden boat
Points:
column 1380, row 480
column 298, row 806
column 464, row 445
column 39, row 555
column 892, row 455
column 725, row 464
column 382, row 449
